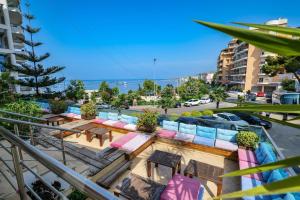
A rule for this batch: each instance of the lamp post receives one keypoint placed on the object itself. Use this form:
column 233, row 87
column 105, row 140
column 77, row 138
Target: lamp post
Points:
column 154, row 61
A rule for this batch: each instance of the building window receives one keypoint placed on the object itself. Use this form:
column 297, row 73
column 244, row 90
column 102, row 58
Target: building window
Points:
column 261, row 80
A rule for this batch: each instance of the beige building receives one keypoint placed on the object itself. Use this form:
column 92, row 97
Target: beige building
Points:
column 224, row 63
column 242, row 66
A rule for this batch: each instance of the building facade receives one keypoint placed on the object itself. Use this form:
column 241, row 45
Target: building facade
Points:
column 11, row 35
column 207, row 77
column 242, row 66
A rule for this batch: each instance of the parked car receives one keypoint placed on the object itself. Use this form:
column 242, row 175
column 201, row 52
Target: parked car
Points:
column 253, row 120
column 177, row 105
column 260, row 94
column 192, row 102
column 191, row 120
column 251, row 97
column 161, row 118
column 205, row 100
column 237, row 123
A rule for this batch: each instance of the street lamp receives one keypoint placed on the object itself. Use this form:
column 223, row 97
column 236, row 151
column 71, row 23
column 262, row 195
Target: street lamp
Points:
column 154, row 61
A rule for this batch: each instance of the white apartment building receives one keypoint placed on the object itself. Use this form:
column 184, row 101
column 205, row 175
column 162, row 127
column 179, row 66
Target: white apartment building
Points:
column 10, row 34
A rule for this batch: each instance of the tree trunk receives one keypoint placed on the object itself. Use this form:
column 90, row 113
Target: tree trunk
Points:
column 166, row 111
column 217, row 104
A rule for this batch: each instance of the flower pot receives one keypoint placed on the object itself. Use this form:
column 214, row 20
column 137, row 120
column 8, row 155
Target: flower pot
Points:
column 88, row 117
column 246, row 148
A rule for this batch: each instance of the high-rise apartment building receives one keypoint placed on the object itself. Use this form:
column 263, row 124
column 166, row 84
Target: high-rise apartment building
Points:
column 224, row 63
column 241, row 66
column 11, row 34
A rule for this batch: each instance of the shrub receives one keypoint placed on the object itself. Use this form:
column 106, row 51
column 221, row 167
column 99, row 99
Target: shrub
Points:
column 24, row 107
column 88, row 110
column 207, row 112
column 77, row 195
column 186, row 114
column 173, row 116
column 196, row 113
column 58, row 106
column 247, row 139
column 147, row 121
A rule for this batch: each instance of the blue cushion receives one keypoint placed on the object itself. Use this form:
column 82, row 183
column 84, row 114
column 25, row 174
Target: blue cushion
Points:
column 187, row 128
column 292, row 196
column 266, row 147
column 75, row 110
column 170, row 125
column 103, row 115
column 259, row 155
column 133, row 120
column 268, row 159
column 125, row 119
column 207, row 132
column 204, row 141
column 200, row 194
column 227, row 135
column 113, row 116
column 249, row 183
column 275, row 176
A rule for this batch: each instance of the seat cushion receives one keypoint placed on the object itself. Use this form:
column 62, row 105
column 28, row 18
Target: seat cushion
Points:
column 123, row 140
column 268, row 159
column 181, row 188
column 99, row 121
column 120, row 124
column 170, row 125
column 166, row 133
column 245, row 165
column 267, row 148
column 113, row 116
column 187, row 129
column 103, row 115
column 227, row 135
column 249, row 183
column 125, row 118
column 135, row 142
column 130, row 127
column 247, row 155
column 226, row 145
column 76, row 116
column 207, row 132
column 204, row 141
column 110, row 122
column 184, row 137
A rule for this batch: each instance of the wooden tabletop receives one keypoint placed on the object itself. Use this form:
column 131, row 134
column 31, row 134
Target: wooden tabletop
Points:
column 85, row 127
column 99, row 131
column 204, row 170
column 55, row 119
column 165, row 158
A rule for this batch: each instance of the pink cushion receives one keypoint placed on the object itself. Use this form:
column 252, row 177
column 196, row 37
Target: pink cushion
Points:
column 99, row 121
column 120, row 124
column 130, row 127
column 247, row 155
column 181, row 188
column 76, row 116
column 135, row 142
column 166, row 133
column 110, row 122
column 245, row 165
column 123, row 140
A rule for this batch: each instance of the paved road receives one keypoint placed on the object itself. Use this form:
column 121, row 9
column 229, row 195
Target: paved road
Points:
column 186, row 109
column 287, row 139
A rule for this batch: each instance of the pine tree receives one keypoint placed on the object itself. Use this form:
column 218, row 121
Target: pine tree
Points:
column 38, row 76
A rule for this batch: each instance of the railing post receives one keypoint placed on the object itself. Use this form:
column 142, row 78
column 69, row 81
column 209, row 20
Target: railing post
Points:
column 63, row 147
column 31, row 135
column 19, row 172
column 16, row 129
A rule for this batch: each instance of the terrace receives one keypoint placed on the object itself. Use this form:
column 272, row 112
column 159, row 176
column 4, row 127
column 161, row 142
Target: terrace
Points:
column 108, row 166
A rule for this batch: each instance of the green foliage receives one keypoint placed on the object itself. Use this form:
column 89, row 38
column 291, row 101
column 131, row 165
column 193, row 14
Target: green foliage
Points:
column 192, row 89
column 77, row 195
column 174, row 116
column 38, row 76
column 167, row 98
column 120, row 101
column 218, row 94
column 147, row 121
column 58, row 106
column 6, row 94
column 207, row 112
column 196, row 113
column 75, row 90
column 106, row 93
column 241, row 100
column 24, row 107
column 247, row 139
column 186, row 114
column 88, row 110
column 288, row 84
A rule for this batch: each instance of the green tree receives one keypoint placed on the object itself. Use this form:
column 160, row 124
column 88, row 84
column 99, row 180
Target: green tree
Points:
column 167, row 98
column 38, row 76
column 192, row 89
column 75, row 90
column 103, row 86
column 6, row 92
column 133, row 96
column 281, row 64
column 288, row 84
column 115, row 91
column 148, row 87
column 218, row 94
column 106, row 93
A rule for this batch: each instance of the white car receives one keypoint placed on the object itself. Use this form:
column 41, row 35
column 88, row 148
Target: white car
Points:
column 192, row 102
column 237, row 123
column 205, row 100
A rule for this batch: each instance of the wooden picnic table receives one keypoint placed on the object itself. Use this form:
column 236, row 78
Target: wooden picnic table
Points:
column 205, row 171
column 98, row 132
column 55, row 119
column 166, row 159
column 84, row 128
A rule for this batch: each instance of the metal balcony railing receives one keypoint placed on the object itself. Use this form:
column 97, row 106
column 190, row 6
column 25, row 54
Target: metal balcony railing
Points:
column 18, row 145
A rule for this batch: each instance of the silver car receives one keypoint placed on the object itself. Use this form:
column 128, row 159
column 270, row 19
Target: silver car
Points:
column 237, row 123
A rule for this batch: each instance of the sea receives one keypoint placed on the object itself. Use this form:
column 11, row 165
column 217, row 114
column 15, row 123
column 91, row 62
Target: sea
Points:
column 124, row 85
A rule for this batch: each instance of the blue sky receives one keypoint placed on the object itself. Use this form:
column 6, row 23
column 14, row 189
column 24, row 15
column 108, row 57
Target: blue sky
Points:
column 118, row 39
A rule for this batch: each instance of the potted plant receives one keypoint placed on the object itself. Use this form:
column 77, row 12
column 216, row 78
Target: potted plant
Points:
column 247, row 139
column 88, row 111
column 147, row 121
column 58, row 106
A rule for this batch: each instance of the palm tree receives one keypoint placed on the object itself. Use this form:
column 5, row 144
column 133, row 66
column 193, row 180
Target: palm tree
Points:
column 218, row 94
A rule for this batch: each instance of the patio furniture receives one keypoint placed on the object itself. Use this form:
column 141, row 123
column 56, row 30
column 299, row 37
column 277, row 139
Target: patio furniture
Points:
column 186, row 132
column 226, row 139
column 183, row 188
column 205, row 136
column 169, row 129
column 98, row 132
column 135, row 187
column 84, row 128
column 205, row 171
column 55, row 120
column 166, row 159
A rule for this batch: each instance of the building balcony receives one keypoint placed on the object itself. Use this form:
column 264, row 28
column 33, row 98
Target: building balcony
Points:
column 15, row 15
column 238, row 75
column 17, row 33
column 240, row 67
column 13, row 3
